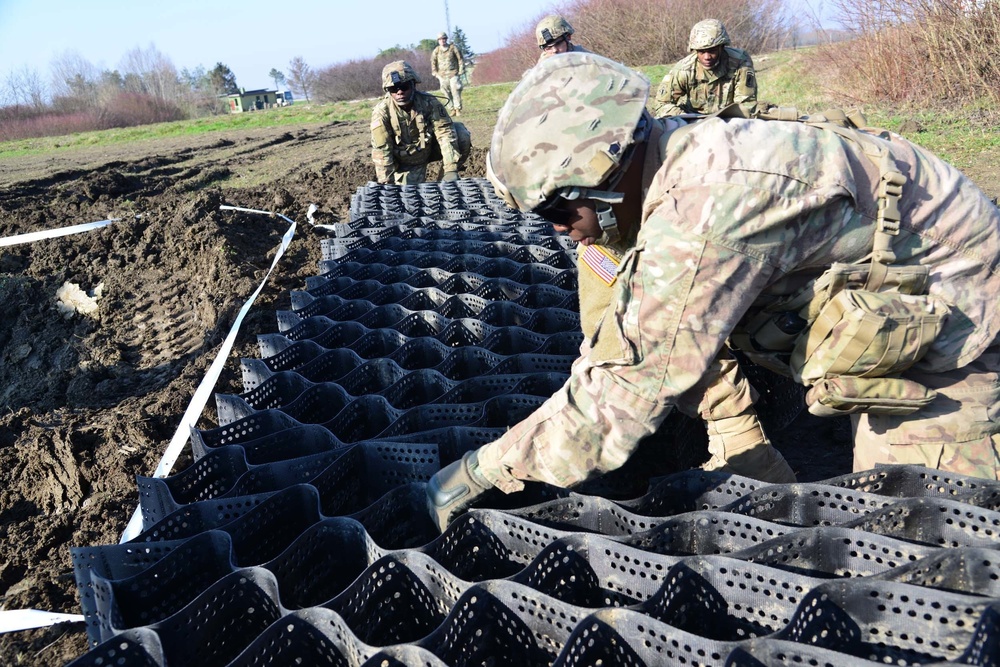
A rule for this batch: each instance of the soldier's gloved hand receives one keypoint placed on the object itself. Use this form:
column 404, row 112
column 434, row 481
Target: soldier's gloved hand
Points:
column 450, row 175
column 454, row 489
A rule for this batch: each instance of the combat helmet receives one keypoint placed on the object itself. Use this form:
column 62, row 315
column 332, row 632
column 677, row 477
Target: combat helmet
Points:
column 565, row 130
column 442, row 35
column 396, row 72
column 707, row 34
column 551, row 28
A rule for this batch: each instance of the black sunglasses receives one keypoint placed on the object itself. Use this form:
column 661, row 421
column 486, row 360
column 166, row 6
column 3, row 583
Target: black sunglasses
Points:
column 553, row 44
column 552, row 211
column 400, row 87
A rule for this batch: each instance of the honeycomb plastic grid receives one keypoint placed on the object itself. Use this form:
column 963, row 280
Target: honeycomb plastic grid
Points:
column 299, row 533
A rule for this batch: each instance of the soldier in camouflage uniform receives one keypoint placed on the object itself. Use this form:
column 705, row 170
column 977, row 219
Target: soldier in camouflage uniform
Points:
column 410, row 128
column 711, row 77
column 447, row 65
column 555, row 35
column 757, row 232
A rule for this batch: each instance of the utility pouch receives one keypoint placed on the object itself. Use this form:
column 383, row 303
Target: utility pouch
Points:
column 859, row 333
column 832, row 397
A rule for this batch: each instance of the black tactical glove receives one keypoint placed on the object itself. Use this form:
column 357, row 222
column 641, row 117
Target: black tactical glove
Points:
column 454, row 488
column 450, row 176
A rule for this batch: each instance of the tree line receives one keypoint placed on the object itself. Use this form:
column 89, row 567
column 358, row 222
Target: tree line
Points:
column 921, row 51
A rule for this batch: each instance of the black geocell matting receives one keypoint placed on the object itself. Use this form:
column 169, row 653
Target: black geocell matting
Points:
column 438, row 319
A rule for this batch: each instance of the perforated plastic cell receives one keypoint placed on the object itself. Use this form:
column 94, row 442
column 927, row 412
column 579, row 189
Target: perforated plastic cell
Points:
column 420, row 353
column 400, row 598
column 972, row 570
column 768, row 651
column 222, row 621
column 417, row 388
column 886, row 622
column 374, row 375
column 514, row 340
column 137, row 648
column 464, row 331
column 808, row 504
column 433, row 416
column 331, row 365
column 363, row 418
column 500, row 289
column 280, row 389
column 314, row 636
column 547, row 296
column 424, row 298
column 322, row 562
column 834, row 551
column 422, row 323
column 378, row 343
column 943, row 523
column 316, row 404
column 462, row 305
column 907, row 481
column 534, row 363
column 399, row 519
column 508, row 409
column 162, row 589
column 254, row 426
column 468, row 362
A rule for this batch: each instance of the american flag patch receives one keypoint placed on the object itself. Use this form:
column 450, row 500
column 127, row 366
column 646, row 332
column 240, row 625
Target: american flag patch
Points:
column 600, row 261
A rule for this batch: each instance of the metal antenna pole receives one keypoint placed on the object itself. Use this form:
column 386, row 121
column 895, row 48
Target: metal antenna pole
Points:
column 447, row 19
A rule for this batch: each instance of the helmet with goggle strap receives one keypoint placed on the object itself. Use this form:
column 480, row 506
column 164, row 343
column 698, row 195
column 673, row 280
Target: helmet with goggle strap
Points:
column 566, row 132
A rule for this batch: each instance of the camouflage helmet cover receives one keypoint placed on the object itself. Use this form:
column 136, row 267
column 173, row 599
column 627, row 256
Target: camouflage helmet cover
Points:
column 398, row 71
column 551, row 28
column 442, row 35
column 567, row 124
column 707, row 34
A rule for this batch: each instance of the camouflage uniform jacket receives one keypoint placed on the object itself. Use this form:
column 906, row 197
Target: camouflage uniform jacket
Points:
column 744, row 213
column 690, row 88
column 446, row 62
column 404, row 138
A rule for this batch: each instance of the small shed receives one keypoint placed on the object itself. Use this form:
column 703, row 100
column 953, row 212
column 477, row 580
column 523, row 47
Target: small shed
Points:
column 253, row 100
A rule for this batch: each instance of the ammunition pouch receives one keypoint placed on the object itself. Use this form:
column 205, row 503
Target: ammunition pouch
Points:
column 867, row 334
column 831, row 397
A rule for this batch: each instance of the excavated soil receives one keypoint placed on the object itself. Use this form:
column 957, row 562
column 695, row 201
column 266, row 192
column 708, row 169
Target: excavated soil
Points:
column 89, row 401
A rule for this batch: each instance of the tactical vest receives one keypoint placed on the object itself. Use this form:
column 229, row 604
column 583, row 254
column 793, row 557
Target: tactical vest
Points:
column 408, row 152
column 849, row 334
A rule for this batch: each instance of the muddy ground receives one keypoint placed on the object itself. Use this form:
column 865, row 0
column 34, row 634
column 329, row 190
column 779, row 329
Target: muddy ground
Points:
column 88, row 402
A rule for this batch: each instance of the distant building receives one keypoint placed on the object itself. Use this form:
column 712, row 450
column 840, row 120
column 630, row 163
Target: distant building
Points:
column 256, row 100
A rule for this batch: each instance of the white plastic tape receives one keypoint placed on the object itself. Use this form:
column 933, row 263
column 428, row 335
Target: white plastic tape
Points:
column 29, row 619
column 204, row 391
column 31, row 237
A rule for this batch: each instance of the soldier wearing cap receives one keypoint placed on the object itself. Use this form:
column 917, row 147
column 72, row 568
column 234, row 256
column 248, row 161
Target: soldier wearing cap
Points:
column 712, row 76
column 554, row 35
column 447, row 65
column 854, row 261
column 410, row 128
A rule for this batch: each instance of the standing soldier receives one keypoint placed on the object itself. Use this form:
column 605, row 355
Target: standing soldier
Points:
column 711, row 77
column 411, row 128
column 855, row 261
column 447, row 65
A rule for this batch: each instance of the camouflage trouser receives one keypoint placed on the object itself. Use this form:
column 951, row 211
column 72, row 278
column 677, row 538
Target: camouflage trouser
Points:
column 451, row 86
column 412, row 174
column 723, row 399
column 958, row 432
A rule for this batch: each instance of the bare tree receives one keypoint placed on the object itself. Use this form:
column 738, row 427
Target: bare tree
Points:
column 24, row 87
column 74, row 78
column 150, row 72
column 300, row 77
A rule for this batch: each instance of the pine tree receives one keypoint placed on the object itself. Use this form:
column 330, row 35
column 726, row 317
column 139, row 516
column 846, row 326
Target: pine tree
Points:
column 468, row 56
